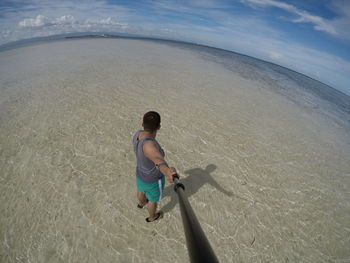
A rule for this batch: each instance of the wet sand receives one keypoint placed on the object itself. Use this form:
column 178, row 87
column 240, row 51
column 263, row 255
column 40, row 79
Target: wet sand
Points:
column 267, row 175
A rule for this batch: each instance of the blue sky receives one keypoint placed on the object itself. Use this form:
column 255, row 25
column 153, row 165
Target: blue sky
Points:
column 311, row 37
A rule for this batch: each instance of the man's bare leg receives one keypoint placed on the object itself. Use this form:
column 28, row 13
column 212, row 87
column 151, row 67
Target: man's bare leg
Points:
column 142, row 198
column 152, row 208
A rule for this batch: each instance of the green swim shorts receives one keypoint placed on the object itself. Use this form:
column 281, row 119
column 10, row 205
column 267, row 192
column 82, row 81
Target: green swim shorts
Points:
column 153, row 191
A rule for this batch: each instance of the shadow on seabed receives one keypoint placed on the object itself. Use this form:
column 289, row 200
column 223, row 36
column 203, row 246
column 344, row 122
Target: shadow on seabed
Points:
column 196, row 178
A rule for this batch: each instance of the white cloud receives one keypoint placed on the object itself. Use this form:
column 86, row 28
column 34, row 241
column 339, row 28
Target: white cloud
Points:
column 39, row 21
column 319, row 23
column 275, row 55
column 64, row 20
column 61, row 24
column 106, row 22
column 342, row 21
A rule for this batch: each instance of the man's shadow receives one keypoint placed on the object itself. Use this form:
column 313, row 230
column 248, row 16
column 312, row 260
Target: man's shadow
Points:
column 196, row 179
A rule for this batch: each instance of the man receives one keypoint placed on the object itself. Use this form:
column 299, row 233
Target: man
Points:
column 151, row 166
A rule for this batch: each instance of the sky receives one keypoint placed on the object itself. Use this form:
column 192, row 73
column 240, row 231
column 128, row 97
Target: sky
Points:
column 311, row 36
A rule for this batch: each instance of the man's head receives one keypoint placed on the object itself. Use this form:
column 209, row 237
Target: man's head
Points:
column 151, row 121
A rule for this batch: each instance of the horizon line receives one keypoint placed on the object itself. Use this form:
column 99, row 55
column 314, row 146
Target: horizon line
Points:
column 71, row 36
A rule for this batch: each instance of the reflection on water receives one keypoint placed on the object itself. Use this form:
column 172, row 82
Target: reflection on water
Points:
column 264, row 158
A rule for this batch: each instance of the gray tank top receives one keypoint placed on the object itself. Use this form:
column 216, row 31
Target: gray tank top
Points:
column 145, row 169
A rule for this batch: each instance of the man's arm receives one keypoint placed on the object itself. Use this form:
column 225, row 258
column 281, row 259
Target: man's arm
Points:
column 151, row 152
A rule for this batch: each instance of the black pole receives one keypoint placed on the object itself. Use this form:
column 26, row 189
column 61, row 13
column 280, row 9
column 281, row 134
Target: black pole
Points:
column 198, row 245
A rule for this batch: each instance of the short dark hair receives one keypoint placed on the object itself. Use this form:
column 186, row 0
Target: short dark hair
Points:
column 151, row 121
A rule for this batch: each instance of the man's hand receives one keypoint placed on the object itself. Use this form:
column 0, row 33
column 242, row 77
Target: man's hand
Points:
column 169, row 175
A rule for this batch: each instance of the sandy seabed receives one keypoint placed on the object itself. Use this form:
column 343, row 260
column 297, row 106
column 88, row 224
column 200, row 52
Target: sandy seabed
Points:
column 267, row 176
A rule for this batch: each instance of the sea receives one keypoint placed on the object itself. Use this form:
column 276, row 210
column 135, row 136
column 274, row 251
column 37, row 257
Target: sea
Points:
column 263, row 152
